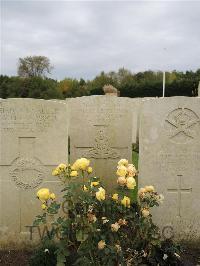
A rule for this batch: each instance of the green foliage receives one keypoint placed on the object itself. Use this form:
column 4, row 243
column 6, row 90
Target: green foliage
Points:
column 91, row 227
column 95, row 86
column 44, row 255
column 34, row 87
column 135, row 159
column 142, row 84
column 167, row 250
column 148, row 83
column 40, row 219
column 10, row 87
column 72, row 88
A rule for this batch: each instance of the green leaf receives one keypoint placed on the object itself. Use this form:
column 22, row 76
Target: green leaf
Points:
column 83, row 261
column 60, row 220
column 61, row 258
column 81, row 236
column 40, row 219
column 107, row 251
column 53, row 208
column 60, row 264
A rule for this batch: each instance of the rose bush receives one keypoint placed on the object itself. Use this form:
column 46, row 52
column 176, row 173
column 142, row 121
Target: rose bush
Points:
column 92, row 227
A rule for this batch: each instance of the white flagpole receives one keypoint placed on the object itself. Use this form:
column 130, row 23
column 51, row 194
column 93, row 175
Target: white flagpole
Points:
column 164, row 49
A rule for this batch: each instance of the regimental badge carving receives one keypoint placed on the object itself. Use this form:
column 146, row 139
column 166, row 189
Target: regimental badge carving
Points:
column 102, row 148
column 27, row 173
column 182, row 125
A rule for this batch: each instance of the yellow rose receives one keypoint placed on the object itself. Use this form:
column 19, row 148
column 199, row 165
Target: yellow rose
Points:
column 81, row 164
column 74, row 173
column 118, row 247
column 55, row 172
column 74, row 167
column 94, row 184
column 62, row 166
column 115, row 197
column 145, row 212
column 89, row 170
column 43, row 194
column 101, row 244
column 121, row 170
column 52, row 196
column 122, row 222
column 126, row 202
column 141, row 191
column 131, row 170
column 43, row 206
column 104, row 220
column 91, row 217
column 84, row 163
column 150, row 188
column 85, row 188
column 115, row 227
column 130, row 182
column 121, row 181
column 101, row 194
column 123, row 162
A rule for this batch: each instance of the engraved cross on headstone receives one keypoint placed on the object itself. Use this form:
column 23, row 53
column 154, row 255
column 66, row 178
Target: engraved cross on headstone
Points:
column 26, row 146
column 179, row 190
column 26, row 151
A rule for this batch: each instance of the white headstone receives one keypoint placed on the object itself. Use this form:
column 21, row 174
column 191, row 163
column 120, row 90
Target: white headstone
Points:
column 101, row 130
column 170, row 160
column 34, row 139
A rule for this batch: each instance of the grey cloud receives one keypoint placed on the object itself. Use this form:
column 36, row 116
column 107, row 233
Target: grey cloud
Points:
column 84, row 38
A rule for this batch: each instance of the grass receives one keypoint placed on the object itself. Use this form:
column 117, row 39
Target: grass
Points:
column 135, row 158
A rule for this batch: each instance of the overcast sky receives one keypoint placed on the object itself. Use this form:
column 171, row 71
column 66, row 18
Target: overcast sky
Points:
column 84, row 38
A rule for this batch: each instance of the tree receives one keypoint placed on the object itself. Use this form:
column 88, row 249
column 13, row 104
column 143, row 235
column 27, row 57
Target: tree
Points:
column 72, row 88
column 96, row 85
column 34, row 66
column 9, row 87
column 34, row 87
column 141, row 84
column 39, row 88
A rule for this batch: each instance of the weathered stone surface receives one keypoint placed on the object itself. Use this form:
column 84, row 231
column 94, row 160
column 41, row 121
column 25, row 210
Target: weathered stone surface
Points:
column 136, row 110
column 170, row 160
column 199, row 90
column 34, row 139
column 101, row 130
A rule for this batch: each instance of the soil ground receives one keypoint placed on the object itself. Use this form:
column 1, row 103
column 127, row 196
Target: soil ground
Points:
column 190, row 257
column 14, row 257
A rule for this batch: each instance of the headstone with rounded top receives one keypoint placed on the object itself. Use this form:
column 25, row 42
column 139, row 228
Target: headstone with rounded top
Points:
column 34, row 139
column 169, row 160
column 101, row 130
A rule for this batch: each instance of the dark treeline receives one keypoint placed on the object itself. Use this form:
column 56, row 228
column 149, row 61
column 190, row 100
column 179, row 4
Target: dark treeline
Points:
column 142, row 84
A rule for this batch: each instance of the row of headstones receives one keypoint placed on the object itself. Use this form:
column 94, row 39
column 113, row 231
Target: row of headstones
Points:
column 34, row 139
